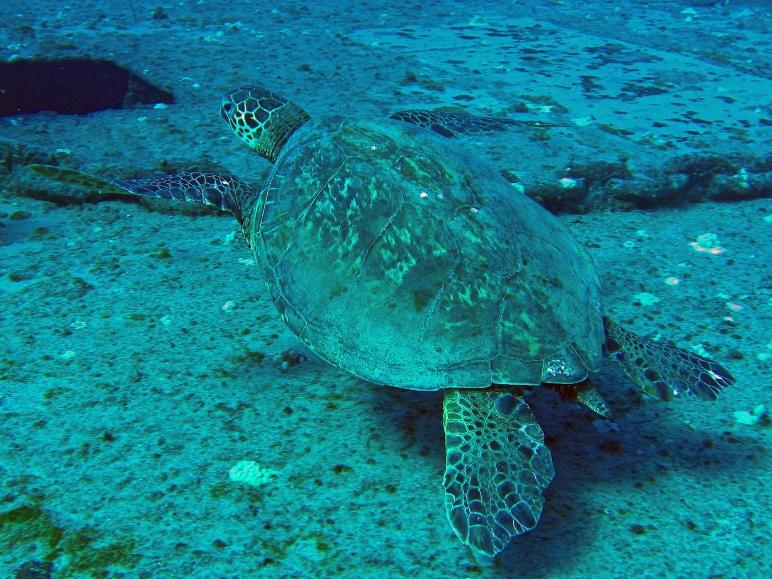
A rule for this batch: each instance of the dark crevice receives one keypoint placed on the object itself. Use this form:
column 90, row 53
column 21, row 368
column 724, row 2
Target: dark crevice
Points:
column 72, row 86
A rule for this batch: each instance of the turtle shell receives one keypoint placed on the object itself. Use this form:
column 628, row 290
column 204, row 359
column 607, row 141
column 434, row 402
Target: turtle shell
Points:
column 404, row 259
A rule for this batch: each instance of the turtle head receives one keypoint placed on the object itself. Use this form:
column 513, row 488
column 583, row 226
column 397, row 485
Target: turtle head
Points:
column 262, row 119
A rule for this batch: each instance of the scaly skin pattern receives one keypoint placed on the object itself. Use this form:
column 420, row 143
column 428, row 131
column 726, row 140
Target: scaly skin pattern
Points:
column 225, row 192
column 663, row 370
column 411, row 263
column 262, row 119
column 450, row 124
column 496, row 468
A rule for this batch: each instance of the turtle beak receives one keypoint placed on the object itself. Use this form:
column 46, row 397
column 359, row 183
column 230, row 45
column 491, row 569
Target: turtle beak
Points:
column 226, row 110
column 229, row 107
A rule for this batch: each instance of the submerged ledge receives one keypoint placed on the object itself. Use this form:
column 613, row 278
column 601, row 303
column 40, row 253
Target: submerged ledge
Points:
column 73, row 86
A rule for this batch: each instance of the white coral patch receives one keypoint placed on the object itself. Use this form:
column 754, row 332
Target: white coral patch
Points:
column 251, row 473
column 757, row 415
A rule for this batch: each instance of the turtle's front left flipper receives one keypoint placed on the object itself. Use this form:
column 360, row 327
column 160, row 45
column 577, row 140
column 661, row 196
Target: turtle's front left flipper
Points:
column 223, row 191
column 497, row 467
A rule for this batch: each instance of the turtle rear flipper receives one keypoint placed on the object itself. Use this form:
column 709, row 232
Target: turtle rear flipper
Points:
column 497, row 467
column 662, row 370
column 223, row 191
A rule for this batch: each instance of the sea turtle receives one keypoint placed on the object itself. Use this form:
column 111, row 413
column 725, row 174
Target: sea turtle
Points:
column 396, row 254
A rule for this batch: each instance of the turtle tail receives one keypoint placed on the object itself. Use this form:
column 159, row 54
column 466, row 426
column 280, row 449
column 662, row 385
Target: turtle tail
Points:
column 223, row 191
column 662, row 370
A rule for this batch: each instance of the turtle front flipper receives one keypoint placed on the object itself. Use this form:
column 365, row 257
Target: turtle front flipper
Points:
column 72, row 177
column 223, row 191
column 662, row 370
column 497, row 467
column 449, row 124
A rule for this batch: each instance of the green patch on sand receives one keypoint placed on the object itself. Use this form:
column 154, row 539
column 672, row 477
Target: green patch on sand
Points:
column 74, row 552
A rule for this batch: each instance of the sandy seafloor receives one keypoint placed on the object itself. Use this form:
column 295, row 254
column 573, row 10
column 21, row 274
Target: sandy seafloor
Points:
column 137, row 362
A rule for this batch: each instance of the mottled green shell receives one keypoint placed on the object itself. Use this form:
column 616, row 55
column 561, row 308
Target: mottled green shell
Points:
column 402, row 258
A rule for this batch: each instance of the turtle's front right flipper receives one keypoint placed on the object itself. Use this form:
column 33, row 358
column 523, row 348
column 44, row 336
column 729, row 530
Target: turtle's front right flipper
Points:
column 449, row 124
column 223, row 191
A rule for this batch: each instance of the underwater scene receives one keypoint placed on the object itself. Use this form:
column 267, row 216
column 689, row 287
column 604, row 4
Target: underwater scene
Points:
column 453, row 289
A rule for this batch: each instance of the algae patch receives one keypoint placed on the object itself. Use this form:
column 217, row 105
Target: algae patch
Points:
column 85, row 552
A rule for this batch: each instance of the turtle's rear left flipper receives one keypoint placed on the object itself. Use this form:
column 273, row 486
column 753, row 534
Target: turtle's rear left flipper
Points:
column 223, row 191
column 497, row 467
column 662, row 370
